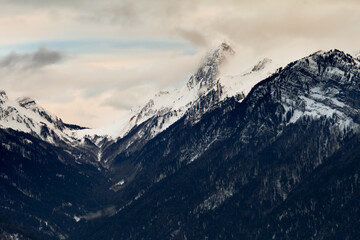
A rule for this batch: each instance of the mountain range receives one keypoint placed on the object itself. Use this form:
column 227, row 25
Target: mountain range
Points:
column 270, row 153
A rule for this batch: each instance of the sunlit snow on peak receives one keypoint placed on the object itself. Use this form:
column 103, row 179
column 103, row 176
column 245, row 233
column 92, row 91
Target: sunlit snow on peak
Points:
column 175, row 103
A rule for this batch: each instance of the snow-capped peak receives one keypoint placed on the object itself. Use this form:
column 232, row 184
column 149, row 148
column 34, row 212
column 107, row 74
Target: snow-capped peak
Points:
column 169, row 106
column 30, row 104
column 209, row 67
column 25, row 115
column 203, row 90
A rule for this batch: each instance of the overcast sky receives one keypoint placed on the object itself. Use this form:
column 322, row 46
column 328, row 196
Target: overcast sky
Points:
column 89, row 61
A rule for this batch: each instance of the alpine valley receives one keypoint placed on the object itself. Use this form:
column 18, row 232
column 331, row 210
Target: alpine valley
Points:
column 270, row 153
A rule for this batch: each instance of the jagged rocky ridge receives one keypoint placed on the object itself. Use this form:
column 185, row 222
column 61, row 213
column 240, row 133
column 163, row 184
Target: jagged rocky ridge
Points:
column 26, row 116
column 203, row 91
column 274, row 163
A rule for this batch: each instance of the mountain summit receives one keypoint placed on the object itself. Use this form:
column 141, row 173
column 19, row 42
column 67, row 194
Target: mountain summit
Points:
column 26, row 115
column 203, row 91
column 209, row 69
column 205, row 85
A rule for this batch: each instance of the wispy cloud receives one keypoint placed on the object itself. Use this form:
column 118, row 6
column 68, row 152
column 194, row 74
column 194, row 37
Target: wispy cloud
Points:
column 104, row 46
column 193, row 36
column 40, row 58
column 122, row 14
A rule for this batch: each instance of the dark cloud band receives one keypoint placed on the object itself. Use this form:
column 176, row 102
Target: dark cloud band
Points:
column 38, row 59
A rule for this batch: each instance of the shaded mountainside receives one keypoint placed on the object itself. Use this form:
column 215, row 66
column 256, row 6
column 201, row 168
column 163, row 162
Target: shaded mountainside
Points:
column 280, row 162
column 44, row 187
column 221, row 177
column 325, row 205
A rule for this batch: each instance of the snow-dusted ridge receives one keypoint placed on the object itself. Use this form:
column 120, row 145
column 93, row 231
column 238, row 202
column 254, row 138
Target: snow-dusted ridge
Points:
column 167, row 107
column 23, row 114
column 324, row 100
column 170, row 106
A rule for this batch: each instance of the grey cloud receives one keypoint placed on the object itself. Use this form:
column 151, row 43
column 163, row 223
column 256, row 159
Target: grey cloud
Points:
column 193, row 36
column 125, row 99
column 43, row 3
column 258, row 24
column 172, row 7
column 154, row 16
column 266, row 26
column 125, row 13
column 38, row 59
column 122, row 104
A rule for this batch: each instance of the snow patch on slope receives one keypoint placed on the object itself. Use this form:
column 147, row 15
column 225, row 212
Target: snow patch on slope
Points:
column 216, row 199
column 316, row 109
column 244, row 82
